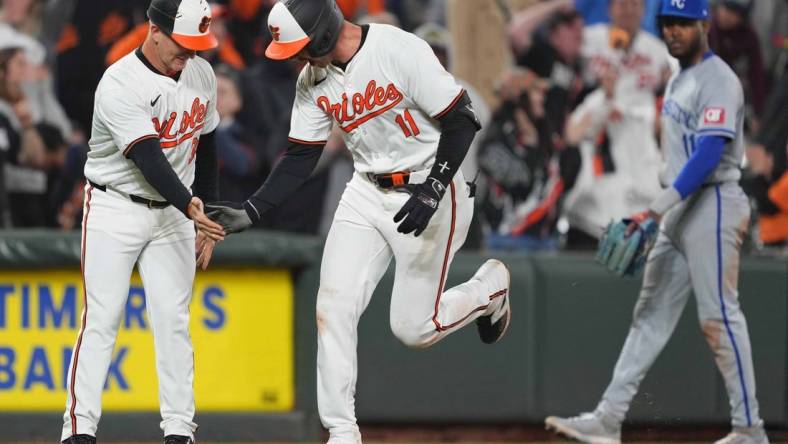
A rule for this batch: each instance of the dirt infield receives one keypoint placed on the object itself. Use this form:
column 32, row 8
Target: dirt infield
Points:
column 507, row 434
column 463, row 442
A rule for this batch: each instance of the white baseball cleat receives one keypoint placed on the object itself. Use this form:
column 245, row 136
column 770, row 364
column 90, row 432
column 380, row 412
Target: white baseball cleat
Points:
column 345, row 437
column 493, row 326
column 587, row 427
column 746, row 435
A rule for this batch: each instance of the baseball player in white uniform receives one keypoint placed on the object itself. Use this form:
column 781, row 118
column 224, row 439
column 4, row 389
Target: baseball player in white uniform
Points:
column 155, row 112
column 637, row 65
column 704, row 216
column 408, row 125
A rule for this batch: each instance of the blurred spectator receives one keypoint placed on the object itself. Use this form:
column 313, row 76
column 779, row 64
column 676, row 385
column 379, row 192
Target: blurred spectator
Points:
column 523, row 26
column 524, row 173
column 481, row 41
column 65, row 184
column 238, row 163
column 246, row 23
column 554, row 55
column 734, row 40
column 9, row 132
column 410, row 13
column 436, row 12
column 268, row 90
column 595, row 11
column 32, row 190
column 41, row 20
column 620, row 167
column 767, row 161
column 773, row 133
column 615, row 126
column 770, row 191
column 770, row 20
column 22, row 15
column 82, row 48
column 38, row 82
column 22, row 146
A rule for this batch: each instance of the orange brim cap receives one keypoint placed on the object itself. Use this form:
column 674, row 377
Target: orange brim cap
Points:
column 284, row 50
column 196, row 42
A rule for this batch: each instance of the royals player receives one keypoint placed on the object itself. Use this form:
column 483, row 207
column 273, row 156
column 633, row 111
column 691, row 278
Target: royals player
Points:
column 155, row 112
column 408, row 125
column 704, row 216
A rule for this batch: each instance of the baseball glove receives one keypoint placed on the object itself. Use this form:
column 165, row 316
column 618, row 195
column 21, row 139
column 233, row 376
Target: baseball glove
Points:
column 626, row 255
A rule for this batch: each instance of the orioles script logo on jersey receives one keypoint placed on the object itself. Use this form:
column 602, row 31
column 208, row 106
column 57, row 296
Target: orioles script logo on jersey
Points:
column 375, row 101
column 191, row 122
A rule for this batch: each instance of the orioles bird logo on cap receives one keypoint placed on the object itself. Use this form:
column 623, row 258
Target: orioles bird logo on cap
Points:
column 274, row 32
column 204, row 24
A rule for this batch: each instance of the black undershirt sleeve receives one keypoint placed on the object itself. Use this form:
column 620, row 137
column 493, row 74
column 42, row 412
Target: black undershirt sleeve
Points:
column 149, row 158
column 458, row 127
column 206, row 173
column 287, row 176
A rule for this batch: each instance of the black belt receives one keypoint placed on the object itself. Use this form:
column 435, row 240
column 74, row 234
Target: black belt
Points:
column 390, row 180
column 141, row 200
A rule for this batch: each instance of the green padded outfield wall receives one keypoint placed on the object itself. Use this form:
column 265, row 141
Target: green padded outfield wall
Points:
column 570, row 319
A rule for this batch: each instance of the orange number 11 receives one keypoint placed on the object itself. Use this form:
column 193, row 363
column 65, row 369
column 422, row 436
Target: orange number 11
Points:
column 413, row 130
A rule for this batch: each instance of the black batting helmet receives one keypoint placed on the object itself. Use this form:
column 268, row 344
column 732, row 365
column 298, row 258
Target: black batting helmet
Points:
column 299, row 24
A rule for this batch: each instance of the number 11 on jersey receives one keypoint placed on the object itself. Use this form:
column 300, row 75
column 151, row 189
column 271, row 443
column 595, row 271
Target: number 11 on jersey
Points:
column 410, row 129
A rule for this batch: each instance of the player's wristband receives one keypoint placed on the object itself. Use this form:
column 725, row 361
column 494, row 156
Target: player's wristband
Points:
column 252, row 211
column 666, row 200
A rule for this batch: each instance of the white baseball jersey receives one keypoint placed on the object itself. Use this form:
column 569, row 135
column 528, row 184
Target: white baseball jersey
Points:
column 134, row 103
column 639, row 67
column 385, row 102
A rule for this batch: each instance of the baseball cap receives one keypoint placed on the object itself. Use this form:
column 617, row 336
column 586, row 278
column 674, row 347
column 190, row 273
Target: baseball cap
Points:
column 688, row 9
column 185, row 21
column 298, row 24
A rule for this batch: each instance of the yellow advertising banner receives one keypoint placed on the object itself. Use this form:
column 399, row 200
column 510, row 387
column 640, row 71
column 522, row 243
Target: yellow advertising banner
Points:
column 241, row 329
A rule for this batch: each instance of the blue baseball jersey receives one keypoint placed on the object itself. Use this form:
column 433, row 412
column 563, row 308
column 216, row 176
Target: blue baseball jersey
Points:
column 703, row 100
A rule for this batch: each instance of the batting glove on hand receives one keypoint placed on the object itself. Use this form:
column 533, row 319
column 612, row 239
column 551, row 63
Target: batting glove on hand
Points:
column 230, row 215
column 423, row 203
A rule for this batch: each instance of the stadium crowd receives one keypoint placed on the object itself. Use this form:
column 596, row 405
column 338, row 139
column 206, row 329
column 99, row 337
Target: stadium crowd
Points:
column 568, row 93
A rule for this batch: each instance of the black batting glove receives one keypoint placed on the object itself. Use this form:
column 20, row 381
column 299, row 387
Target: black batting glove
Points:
column 232, row 216
column 423, row 203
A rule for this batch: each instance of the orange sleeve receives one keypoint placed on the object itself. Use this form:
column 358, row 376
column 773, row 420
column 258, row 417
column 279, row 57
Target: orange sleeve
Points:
column 229, row 55
column 376, row 6
column 129, row 42
column 778, row 193
column 245, row 9
column 348, row 8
